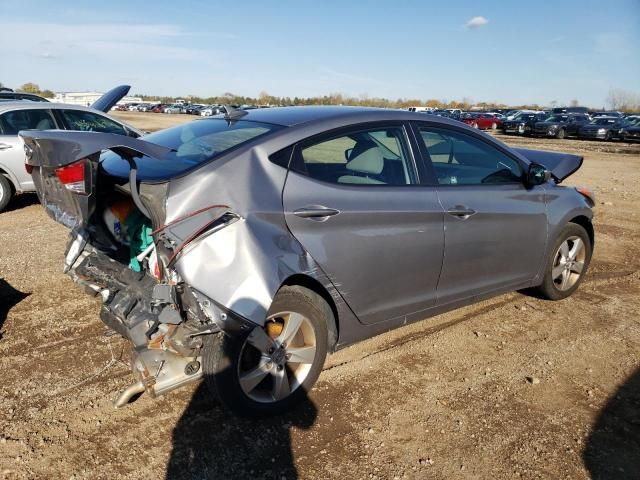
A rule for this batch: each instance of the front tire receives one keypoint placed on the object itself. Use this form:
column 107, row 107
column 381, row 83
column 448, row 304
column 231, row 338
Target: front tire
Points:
column 567, row 264
column 561, row 134
column 270, row 369
column 6, row 192
column 494, row 125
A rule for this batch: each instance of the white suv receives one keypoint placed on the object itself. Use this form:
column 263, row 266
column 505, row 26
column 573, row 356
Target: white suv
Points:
column 27, row 115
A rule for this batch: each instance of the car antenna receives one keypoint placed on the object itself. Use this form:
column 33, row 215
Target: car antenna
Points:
column 231, row 114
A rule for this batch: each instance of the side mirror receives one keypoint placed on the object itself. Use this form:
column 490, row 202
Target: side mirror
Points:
column 537, row 175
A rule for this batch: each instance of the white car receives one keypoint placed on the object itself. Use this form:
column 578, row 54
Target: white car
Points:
column 173, row 109
column 25, row 115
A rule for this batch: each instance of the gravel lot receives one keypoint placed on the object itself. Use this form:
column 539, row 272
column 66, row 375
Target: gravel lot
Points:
column 511, row 387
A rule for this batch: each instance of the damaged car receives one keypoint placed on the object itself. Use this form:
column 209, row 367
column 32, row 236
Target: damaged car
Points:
column 245, row 247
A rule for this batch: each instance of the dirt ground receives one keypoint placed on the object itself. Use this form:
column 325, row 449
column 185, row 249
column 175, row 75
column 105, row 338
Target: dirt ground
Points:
column 513, row 387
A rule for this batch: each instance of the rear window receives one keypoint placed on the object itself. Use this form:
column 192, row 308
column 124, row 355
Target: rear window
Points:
column 193, row 144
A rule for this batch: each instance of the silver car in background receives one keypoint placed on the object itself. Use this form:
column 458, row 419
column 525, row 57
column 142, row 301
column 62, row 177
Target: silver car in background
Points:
column 26, row 115
column 259, row 241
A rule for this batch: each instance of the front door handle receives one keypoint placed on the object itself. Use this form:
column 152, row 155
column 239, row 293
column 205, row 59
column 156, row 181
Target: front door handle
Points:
column 316, row 212
column 460, row 211
column 4, row 146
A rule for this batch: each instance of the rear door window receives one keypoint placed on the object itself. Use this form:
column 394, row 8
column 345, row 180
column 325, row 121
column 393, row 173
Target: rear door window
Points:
column 12, row 122
column 91, row 122
column 376, row 156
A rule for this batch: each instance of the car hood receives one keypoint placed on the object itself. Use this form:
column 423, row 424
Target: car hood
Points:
column 605, row 127
column 561, row 165
column 109, row 99
column 550, row 124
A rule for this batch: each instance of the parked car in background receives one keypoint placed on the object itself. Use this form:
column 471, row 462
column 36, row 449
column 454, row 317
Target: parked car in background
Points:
column 211, row 110
column 606, row 114
column 513, row 114
column 522, row 123
column 146, row 107
column 193, row 109
column 560, row 125
column 482, row 121
column 159, row 108
column 602, row 128
column 175, row 108
column 630, row 129
column 561, row 110
column 250, row 288
column 20, row 115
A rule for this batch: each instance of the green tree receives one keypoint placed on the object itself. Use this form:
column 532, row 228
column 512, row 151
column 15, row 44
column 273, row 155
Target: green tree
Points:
column 30, row 88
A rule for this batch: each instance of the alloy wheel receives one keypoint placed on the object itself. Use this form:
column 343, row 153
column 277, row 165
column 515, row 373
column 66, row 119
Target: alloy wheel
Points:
column 276, row 360
column 568, row 263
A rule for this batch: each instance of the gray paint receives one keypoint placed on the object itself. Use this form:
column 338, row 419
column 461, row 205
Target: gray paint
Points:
column 391, row 256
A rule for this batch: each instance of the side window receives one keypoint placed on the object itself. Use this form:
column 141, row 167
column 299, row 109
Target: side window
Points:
column 365, row 157
column 12, row 122
column 91, row 122
column 460, row 159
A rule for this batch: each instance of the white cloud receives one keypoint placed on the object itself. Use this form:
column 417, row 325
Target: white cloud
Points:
column 476, row 22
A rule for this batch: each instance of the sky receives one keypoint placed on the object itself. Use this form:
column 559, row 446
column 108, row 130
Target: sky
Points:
column 493, row 51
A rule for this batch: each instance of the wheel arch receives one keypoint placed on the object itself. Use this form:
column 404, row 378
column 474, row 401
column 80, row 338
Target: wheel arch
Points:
column 5, row 173
column 310, row 283
column 585, row 223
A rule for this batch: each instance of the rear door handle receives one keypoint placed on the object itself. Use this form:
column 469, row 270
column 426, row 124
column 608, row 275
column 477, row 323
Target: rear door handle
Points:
column 316, row 212
column 461, row 211
column 4, row 146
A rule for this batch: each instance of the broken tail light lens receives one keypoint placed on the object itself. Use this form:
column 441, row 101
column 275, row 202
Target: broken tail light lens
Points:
column 74, row 176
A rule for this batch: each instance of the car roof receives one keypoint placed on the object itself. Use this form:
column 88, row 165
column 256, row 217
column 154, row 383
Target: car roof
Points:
column 27, row 105
column 290, row 116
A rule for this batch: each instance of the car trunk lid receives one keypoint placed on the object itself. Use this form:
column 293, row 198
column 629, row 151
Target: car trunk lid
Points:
column 65, row 169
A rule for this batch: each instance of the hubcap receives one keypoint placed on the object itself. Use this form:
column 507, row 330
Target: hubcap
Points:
column 275, row 361
column 568, row 263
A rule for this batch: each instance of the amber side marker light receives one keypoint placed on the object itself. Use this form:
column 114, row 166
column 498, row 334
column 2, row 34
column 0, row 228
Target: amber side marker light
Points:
column 587, row 193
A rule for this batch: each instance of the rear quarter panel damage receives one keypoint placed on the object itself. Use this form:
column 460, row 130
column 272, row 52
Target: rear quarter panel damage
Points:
column 242, row 266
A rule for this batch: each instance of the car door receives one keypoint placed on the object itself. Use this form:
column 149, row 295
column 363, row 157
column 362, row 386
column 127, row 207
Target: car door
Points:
column 495, row 227
column 11, row 147
column 354, row 201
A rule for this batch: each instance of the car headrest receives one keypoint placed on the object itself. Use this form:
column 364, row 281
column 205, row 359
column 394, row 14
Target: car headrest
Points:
column 369, row 160
column 45, row 124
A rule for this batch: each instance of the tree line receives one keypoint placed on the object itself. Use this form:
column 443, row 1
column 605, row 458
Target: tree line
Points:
column 617, row 99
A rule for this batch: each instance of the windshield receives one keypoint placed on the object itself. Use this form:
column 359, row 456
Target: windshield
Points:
column 192, row 143
column 604, row 121
column 557, row 118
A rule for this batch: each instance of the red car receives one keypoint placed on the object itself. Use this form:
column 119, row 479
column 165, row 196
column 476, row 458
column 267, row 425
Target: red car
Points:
column 159, row 108
column 482, row 121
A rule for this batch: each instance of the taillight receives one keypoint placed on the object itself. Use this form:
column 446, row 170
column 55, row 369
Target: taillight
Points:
column 28, row 168
column 74, row 176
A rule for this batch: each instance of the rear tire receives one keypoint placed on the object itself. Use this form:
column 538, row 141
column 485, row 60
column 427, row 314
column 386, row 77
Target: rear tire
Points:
column 494, row 125
column 6, row 192
column 561, row 134
column 231, row 363
column 565, row 269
